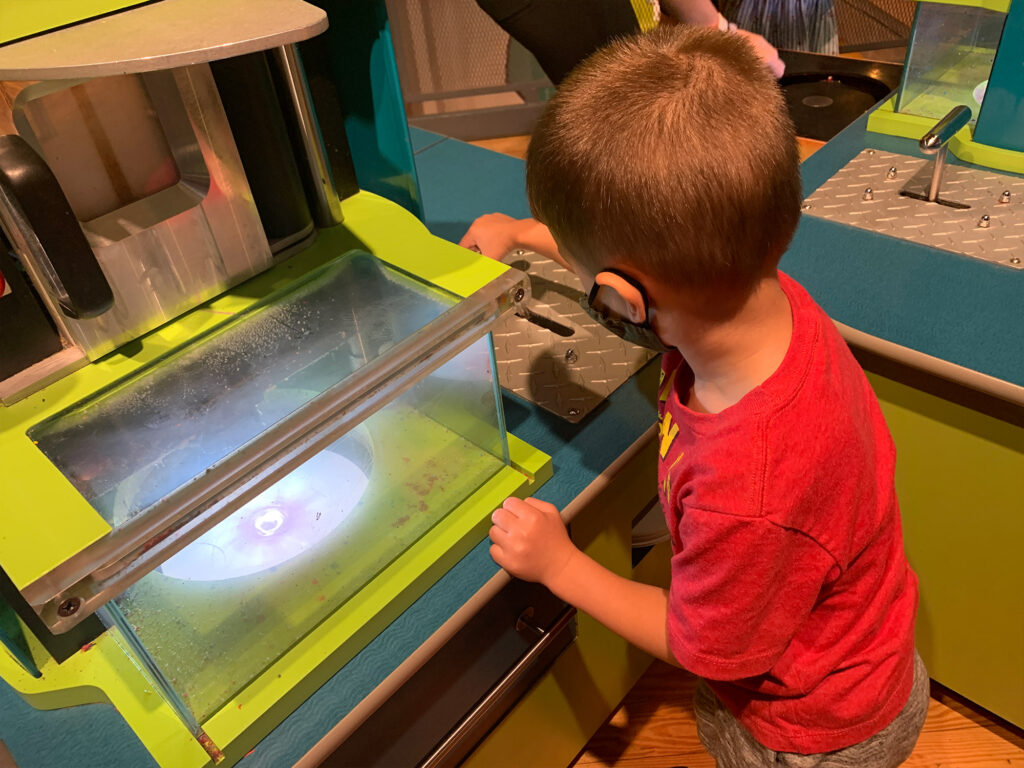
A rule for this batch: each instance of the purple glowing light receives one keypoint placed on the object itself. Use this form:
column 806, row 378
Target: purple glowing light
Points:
column 291, row 517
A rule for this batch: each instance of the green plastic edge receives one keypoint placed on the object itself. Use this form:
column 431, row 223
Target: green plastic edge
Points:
column 886, row 120
column 24, row 18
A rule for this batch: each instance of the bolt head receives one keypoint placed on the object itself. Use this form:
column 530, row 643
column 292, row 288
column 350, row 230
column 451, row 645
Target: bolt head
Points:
column 571, row 356
column 1015, row 260
column 519, row 295
column 574, row 412
column 69, row 607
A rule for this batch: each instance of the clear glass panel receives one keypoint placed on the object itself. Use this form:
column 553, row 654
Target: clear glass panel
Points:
column 127, row 448
column 215, row 615
column 949, row 60
column 227, row 606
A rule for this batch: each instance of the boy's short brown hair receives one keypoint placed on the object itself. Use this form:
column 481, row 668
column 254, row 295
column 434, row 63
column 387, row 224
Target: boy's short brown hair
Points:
column 671, row 151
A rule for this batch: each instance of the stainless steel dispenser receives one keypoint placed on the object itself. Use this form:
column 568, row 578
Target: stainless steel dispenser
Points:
column 127, row 200
column 148, row 168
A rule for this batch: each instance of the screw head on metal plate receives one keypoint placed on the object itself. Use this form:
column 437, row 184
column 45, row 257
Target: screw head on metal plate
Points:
column 69, row 607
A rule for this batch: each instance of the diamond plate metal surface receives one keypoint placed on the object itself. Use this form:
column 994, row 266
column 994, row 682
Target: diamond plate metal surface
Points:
column 558, row 357
column 842, row 199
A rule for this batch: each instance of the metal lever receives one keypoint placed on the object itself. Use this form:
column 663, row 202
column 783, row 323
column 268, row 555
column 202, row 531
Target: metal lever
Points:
column 936, row 140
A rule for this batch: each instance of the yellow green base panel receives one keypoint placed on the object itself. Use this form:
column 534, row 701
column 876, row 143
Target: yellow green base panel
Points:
column 960, row 482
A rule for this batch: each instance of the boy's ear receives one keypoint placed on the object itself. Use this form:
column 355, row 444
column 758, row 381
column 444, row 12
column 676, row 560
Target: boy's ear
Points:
column 628, row 302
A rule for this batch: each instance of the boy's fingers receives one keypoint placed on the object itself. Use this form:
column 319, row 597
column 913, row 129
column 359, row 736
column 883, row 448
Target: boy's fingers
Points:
column 530, row 506
column 496, row 553
column 518, row 507
column 502, row 518
column 498, row 535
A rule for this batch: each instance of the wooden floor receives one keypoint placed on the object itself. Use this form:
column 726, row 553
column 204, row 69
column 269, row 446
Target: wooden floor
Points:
column 654, row 728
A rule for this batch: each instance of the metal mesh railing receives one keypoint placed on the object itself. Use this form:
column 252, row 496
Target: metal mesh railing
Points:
column 870, row 25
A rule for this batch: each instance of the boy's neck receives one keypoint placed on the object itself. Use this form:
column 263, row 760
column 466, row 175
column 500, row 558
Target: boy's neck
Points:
column 731, row 357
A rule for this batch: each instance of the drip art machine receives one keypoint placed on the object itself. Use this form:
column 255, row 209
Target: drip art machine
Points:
column 250, row 410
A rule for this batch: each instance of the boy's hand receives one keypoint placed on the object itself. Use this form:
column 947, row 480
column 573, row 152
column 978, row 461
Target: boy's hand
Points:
column 529, row 540
column 495, row 234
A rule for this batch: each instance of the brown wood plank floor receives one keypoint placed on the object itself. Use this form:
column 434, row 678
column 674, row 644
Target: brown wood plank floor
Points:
column 655, row 728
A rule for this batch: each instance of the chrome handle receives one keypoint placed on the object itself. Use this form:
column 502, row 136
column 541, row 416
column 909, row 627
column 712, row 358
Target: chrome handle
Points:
column 944, row 130
column 934, row 143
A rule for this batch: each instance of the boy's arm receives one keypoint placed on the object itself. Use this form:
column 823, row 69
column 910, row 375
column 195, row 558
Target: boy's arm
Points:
column 495, row 235
column 530, row 542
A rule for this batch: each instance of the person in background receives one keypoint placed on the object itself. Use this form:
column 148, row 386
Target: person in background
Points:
column 561, row 33
column 665, row 173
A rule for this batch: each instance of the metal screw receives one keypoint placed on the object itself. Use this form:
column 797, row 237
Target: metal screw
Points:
column 571, row 356
column 519, row 294
column 1005, row 197
column 520, row 252
column 574, row 412
column 69, row 607
column 1015, row 260
column 869, row 194
column 984, row 221
column 891, row 173
column 871, row 151
column 806, row 207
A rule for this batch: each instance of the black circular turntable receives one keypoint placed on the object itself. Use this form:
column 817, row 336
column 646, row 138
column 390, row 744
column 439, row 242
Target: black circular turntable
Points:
column 827, row 93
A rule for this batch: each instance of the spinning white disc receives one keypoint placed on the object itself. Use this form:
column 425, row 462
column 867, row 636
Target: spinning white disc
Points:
column 291, row 517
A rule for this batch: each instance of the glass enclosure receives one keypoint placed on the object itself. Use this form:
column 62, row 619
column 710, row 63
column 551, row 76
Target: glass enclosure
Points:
column 216, row 614
column 949, row 60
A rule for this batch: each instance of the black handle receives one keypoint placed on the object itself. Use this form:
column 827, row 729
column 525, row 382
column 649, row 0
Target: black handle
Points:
column 38, row 204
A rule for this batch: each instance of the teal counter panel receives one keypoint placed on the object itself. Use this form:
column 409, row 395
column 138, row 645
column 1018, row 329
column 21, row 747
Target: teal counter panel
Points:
column 955, row 308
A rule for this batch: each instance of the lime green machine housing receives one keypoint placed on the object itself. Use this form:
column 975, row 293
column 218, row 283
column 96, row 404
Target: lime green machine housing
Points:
column 421, row 402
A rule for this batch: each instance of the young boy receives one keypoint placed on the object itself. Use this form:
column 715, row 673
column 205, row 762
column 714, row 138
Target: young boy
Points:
column 666, row 174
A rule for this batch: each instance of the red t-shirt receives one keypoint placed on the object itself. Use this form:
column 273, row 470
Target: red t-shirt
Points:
column 791, row 593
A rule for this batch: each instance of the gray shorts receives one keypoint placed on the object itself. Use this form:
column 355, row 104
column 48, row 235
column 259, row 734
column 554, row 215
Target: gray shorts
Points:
column 732, row 746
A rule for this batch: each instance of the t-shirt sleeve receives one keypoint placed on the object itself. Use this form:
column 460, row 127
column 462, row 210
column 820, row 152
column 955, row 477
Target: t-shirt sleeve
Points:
column 740, row 589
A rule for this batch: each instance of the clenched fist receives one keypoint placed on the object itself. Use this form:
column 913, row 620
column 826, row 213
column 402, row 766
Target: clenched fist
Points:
column 529, row 540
